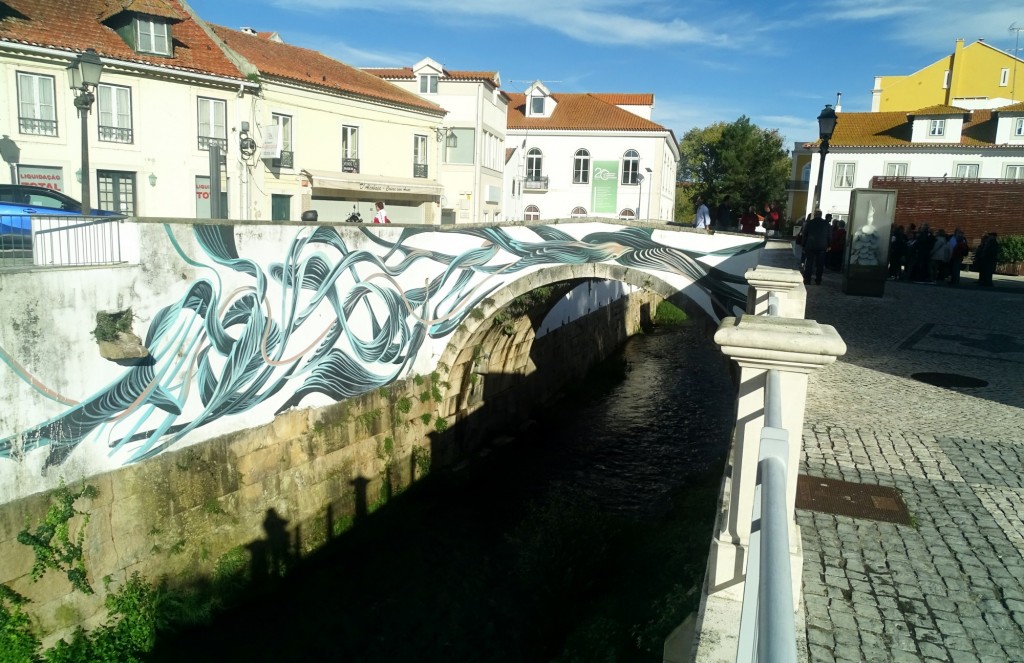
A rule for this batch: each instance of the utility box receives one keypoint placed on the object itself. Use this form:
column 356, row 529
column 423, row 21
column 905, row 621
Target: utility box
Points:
column 866, row 263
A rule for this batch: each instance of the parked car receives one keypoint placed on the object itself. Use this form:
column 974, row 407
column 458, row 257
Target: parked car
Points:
column 19, row 203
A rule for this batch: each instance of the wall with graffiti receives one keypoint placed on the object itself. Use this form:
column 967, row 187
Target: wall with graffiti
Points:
column 244, row 322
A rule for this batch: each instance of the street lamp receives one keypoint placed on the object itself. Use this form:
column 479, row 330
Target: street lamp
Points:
column 84, row 73
column 639, row 193
column 447, row 134
column 649, row 171
column 826, row 127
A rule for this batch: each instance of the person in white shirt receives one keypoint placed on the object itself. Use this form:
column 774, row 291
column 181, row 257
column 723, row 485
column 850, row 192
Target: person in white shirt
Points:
column 703, row 219
column 382, row 215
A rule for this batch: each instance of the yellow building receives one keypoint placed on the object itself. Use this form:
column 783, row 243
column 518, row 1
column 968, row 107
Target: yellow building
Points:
column 974, row 76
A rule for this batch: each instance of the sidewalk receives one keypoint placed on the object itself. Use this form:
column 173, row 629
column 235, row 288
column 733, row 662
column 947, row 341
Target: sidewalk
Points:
column 950, row 586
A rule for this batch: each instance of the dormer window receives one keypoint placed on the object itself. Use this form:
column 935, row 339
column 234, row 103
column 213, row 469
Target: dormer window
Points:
column 537, row 105
column 152, row 36
column 428, row 84
column 937, row 128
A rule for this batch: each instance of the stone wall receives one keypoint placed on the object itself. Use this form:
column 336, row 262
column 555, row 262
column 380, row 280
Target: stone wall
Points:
column 309, row 473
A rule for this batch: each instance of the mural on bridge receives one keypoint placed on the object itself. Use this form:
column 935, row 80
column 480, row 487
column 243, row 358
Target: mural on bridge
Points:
column 336, row 322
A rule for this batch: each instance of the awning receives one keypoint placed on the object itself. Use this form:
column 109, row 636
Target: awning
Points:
column 339, row 181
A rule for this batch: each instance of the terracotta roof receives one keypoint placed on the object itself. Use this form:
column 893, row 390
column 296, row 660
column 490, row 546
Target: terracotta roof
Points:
column 406, row 74
column 939, row 109
column 893, row 129
column 1014, row 108
column 509, row 151
column 71, row 25
column 642, row 99
column 314, row 68
column 149, row 7
column 579, row 112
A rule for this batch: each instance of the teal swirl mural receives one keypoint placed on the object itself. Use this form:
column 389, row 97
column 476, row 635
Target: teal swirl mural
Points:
column 216, row 352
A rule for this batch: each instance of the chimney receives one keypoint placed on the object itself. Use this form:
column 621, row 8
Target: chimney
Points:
column 839, row 102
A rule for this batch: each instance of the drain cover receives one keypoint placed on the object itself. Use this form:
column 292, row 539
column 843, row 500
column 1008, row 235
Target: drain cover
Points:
column 856, row 500
column 949, row 380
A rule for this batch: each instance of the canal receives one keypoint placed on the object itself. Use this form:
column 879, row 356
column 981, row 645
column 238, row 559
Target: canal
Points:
column 581, row 537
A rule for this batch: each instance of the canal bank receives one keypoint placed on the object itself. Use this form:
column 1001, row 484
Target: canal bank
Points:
column 584, row 539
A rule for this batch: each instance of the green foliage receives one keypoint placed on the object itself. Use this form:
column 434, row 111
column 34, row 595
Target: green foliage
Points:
column 441, row 366
column 424, row 396
column 109, row 325
column 52, row 539
column 385, row 392
column 477, row 314
column 418, row 379
column 18, row 644
column 421, row 459
column 404, row 405
column 435, row 392
column 1011, row 249
column 668, row 314
column 342, row 525
column 736, row 162
column 426, row 417
column 367, row 418
column 440, row 424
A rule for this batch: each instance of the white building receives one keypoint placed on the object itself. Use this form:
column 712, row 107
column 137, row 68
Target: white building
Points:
column 470, row 145
column 934, row 142
column 299, row 130
column 587, row 155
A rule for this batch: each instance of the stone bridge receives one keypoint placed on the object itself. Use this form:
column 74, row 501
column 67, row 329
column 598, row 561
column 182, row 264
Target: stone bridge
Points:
column 243, row 322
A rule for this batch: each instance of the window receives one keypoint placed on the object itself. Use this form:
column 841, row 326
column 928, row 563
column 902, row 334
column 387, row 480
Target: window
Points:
column 537, row 105
column 1018, row 127
column 936, row 127
column 945, row 79
column 578, row 212
column 844, row 175
column 966, row 170
column 349, row 149
column 896, row 170
column 203, row 207
column 115, row 113
column 581, row 167
column 117, row 191
column 419, row 156
column 534, row 164
column 152, row 36
column 284, row 130
column 280, row 207
column 626, row 214
column 1004, row 77
column 36, row 111
column 532, row 213
column 428, row 84
column 631, row 167
column 212, row 123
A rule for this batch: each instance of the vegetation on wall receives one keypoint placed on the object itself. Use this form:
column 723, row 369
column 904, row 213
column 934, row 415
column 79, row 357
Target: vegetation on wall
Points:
column 1011, row 249
column 109, row 325
column 52, row 541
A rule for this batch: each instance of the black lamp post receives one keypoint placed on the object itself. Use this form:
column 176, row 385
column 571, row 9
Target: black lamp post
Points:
column 84, row 73
column 639, row 193
column 826, row 127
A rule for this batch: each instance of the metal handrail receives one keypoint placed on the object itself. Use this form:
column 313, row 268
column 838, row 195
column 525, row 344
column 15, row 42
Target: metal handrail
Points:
column 767, row 625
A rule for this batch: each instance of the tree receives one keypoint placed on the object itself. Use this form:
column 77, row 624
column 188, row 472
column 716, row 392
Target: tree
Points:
column 736, row 161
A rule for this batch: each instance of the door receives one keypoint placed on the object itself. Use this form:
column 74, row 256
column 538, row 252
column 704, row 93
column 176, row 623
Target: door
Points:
column 117, row 191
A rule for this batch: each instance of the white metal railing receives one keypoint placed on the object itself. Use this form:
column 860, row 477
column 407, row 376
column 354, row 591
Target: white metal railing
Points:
column 59, row 241
column 767, row 626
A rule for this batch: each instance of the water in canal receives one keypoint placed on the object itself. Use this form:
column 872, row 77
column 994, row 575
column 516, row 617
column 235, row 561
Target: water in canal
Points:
column 582, row 540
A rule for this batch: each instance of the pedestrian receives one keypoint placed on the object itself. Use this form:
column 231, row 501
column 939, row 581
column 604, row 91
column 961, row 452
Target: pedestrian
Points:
column 749, row 221
column 897, row 253
column 939, row 257
column 382, row 215
column 957, row 255
column 816, row 235
column 703, row 219
column 837, row 247
column 986, row 257
column 725, row 219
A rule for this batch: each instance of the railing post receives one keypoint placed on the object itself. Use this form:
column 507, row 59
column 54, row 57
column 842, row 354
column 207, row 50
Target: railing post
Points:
column 788, row 286
column 793, row 347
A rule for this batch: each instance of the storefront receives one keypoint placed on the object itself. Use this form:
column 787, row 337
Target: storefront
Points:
column 335, row 195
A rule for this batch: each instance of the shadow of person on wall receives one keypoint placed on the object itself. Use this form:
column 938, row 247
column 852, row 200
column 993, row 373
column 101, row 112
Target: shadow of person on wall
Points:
column 270, row 556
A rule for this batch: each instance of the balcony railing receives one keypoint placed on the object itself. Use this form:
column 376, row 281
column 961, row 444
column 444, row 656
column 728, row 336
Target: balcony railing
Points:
column 350, row 165
column 116, row 134
column 798, row 185
column 286, row 160
column 30, row 125
column 419, row 170
column 206, row 141
column 536, row 183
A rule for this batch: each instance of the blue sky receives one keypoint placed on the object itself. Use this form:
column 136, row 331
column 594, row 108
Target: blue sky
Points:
column 778, row 63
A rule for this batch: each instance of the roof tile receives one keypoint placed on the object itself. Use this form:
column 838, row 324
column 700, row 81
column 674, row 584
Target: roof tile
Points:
column 311, row 67
column 406, row 74
column 580, row 112
column 892, row 129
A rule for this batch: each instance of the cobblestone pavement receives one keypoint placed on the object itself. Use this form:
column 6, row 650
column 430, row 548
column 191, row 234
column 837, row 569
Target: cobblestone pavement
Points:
column 951, row 586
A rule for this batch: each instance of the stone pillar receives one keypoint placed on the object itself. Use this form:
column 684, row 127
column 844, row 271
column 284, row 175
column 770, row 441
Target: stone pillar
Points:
column 788, row 286
column 794, row 347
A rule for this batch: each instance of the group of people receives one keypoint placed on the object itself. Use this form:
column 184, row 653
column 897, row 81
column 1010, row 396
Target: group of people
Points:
column 770, row 222
column 823, row 243
column 920, row 255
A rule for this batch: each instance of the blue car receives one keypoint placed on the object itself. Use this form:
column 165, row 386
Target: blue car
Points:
column 19, row 203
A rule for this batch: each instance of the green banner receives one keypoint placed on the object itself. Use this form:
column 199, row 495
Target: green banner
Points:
column 605, row 187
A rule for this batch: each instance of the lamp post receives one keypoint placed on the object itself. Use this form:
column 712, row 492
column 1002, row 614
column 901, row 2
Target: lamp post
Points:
column 826, row 127
column 639, row 194
column 84, row 73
